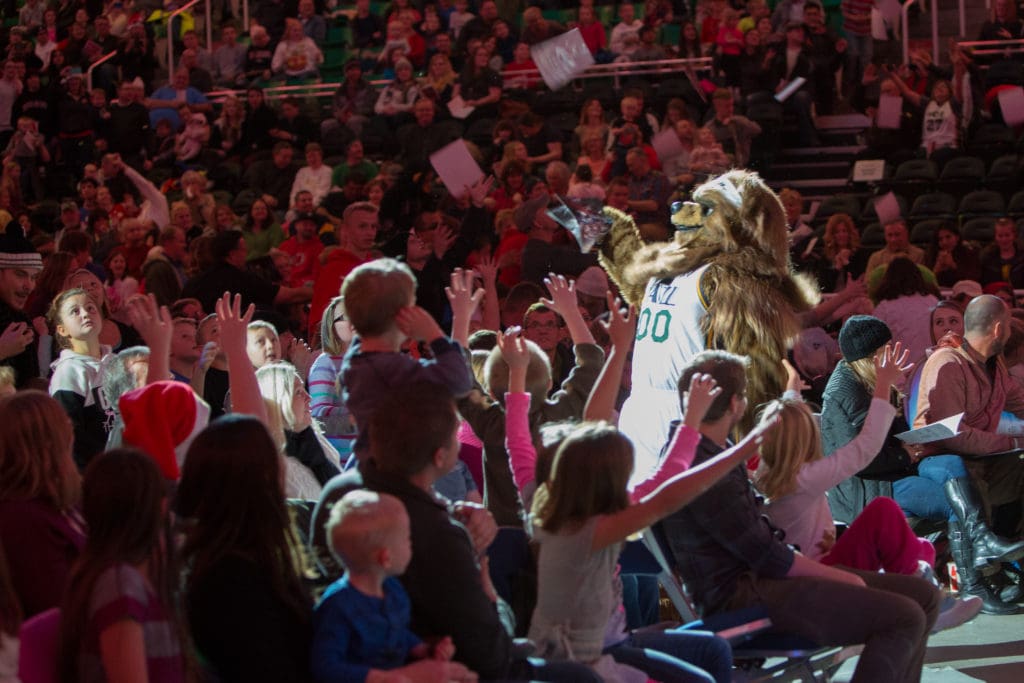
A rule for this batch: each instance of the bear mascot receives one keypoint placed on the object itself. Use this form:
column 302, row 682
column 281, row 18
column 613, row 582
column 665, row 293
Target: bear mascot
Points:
column 724, row 282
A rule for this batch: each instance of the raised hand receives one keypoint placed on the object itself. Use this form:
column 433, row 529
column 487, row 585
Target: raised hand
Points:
column 487, row 268
column 891, row 364
column 444, row 238
column 480, row 190
column 153, row 322
column 461, row 295
column 794, row 382
column 563, row 294
column 234, row 324
column 15, row 339
column 513, row 349
column 416, row 323
column 702, row 392
column 208, row 355
column 621, row 325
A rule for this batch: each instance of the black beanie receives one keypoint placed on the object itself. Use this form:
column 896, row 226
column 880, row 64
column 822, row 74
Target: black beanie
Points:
column 861, row 336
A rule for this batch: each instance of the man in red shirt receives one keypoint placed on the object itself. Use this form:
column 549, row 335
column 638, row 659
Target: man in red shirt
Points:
column 357, row 236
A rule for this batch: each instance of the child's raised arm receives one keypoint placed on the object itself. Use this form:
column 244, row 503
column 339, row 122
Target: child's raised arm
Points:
column 676, row 492
column 488, row 270
column 156, row 329
column 563, row 302
column 463, row 300
column 701, row 394
column 821, row 475
column 234, row 325
column 518, row 441
column 621, row 328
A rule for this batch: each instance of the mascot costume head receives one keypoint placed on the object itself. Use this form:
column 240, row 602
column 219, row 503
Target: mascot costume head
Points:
column 723, row 282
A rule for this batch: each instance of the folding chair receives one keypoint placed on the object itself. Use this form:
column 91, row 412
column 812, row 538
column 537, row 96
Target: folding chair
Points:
column 754, row 645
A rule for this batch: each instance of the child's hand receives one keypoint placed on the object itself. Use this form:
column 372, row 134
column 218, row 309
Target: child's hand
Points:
column 233, row 323
column 891, row 364
column 563, row 294
column 794, row 382
column 444, row 238
column 488, row 271
column 153, row 322
column 479, row 523
column 461, row 296
column 208, row 355
column 479, row 191
column 444, row 649
column 417, row 324
column 513, row 348
column 698, row 399
column 621, row 326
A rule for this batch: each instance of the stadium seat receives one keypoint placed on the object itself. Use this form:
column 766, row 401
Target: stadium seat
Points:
column 961, row 175
column 981, row 203
column 873, row 236
column 979, row 230
column 1004, row 175
column 933, row 205
column 1016, row 206
column 838, row 203
column 922, row 232
column 990, row 141
column 912, row 178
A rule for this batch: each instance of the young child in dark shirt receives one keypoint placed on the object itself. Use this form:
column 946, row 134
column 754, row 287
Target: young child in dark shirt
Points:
column 380, row 301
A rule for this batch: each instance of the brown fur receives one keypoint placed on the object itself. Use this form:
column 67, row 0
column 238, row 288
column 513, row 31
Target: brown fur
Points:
column 754, row 296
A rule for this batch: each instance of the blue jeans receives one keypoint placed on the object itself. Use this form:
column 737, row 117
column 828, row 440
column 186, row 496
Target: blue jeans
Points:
column 536, row 669
column 677, row 656
column 925, row 495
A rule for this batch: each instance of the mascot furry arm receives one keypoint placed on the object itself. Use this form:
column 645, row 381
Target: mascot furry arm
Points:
column 753, row 299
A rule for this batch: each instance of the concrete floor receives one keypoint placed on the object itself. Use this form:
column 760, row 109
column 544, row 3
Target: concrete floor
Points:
column 989, row 649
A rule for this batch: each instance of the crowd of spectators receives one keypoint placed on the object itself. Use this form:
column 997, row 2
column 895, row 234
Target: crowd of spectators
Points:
column 276, row 323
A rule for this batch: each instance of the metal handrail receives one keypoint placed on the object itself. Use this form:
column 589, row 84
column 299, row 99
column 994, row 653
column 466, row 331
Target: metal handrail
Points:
column 105, row 58
column 170, row 37
column 664, row 66
column 993, row 47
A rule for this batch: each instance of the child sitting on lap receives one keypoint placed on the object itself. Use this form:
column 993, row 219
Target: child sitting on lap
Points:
column 361, row 625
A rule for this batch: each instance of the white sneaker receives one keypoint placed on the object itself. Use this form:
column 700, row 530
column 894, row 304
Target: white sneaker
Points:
column 956, row 611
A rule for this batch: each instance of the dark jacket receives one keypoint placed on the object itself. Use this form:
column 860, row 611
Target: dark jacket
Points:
column 26, row 363
column 845, row 406
column 723, row 535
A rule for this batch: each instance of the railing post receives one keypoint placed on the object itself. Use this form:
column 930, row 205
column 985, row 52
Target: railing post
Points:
column 935, row 30
column 906, row 29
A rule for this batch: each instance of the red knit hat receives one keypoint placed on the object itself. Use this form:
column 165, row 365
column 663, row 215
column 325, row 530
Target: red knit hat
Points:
column 162, row 419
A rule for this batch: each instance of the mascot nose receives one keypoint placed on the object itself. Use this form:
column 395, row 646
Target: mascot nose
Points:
column 687, row 215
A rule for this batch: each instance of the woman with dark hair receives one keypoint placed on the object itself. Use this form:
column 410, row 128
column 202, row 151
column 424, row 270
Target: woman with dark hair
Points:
column 1003, row 260
column 262, row 232
column 260, row 119
column 248, row 611
column 950, row 259
column 904, row 301
column 118, row 617
column 49, row 283
column 947, row 318
column 39, row 495
column 512, row 190
column 246, row 605
column 479, row 86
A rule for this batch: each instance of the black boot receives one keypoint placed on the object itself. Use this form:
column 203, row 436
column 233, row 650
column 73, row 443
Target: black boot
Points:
column 987, row 547
column 971, row 580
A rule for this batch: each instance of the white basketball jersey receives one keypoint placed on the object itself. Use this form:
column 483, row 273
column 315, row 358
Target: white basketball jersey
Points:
column 668, row 335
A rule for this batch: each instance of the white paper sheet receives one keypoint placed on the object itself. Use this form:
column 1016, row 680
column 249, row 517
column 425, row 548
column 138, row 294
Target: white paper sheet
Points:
column 562, row 58
column 890, row 110
column 936, row 431
column 790, row 88
column 456, row 166
column 888, row 208
column 458, row 108
column 666, row 144
column 1011, row 103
